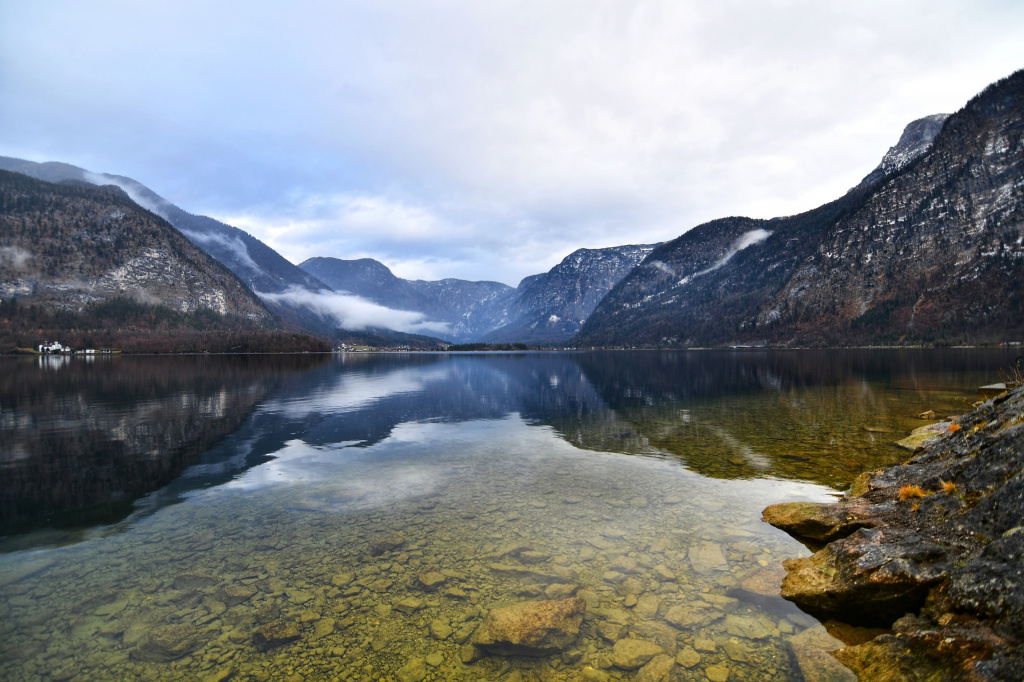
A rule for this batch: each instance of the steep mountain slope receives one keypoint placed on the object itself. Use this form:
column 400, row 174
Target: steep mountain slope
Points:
column 470, row 308
column 63, row 247
column 933, row 252
column 255, row 263
column 551, row 307
column 916, row 140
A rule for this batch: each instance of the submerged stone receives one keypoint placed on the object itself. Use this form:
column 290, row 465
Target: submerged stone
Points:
column 386, row 543
column 812, row 650
column 531, row 628
column 658, row 669
column 169, row 642
column 191, row 581
column 631, row 653
column 706, row 557
column 276, row 634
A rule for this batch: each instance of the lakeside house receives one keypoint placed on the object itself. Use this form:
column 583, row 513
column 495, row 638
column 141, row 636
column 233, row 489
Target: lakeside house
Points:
column 53, row 347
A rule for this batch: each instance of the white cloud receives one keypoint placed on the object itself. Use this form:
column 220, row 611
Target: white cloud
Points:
column 14, row 258
column 745, row 240
column 488, row 139
column 130, row 189
column 233, row 244
column 353, row 312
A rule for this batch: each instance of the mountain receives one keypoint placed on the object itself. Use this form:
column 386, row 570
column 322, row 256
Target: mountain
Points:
column 551, row 307
column 88, row 267
column 544, row 309
column 930, row 252
column 469, row 308
column 917, row 138
column 68, row 246
column 255, row 263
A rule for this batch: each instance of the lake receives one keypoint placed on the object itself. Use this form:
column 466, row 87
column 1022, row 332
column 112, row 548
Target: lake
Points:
column 158, row 512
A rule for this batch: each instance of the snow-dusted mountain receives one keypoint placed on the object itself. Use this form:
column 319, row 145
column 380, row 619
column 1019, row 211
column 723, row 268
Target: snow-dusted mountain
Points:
column 917, row 138
column 929, row 249
column 252, row 261
column 470, row 309
column 544, row 309
column 551, row 307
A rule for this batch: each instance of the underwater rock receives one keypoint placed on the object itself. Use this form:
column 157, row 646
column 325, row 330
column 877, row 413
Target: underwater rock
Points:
column 531, row 628
column 687, row 657
column 188, row 582
column 921, row 436
column 233, row 595
column 431, row 580
column 766, row 582
column 812, row 650
column 551, row 574
column 440, row 629
column 409, row 605
column 276, row 634
column 386, row 543
column 414, row 670
column 692, row 614
column 169, row 642
column 706, row 557
column 631, row 653
column 659, row 669
column 717, row 673
column 747, row 627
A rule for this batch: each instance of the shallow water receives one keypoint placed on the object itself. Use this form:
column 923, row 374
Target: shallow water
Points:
column 385, row 503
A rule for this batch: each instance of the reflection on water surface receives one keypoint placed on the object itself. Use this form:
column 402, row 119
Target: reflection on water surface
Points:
column 380, row 505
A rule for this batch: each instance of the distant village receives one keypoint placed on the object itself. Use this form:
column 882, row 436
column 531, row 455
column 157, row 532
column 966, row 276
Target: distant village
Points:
column 56, row 347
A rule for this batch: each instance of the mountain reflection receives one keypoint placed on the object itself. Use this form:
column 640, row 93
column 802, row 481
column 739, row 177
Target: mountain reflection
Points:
column 86, row 444
column 83, row 440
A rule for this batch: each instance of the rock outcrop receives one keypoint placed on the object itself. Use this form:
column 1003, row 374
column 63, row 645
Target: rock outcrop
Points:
column 933, row 548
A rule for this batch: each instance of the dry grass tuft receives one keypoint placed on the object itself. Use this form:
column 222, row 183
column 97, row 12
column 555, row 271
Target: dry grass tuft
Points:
column 948, row 487
column 909, row 491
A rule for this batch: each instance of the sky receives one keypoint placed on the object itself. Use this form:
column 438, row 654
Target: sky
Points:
column 487, row 140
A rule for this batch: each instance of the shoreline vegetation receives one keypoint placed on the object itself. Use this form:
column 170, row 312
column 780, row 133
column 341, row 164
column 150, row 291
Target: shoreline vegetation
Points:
column 931, row 551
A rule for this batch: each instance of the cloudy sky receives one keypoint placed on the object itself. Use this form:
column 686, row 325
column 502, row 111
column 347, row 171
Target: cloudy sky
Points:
column 487, row 140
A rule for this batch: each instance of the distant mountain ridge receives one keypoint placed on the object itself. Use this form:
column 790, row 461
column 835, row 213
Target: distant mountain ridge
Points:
column 929, row 252
column 64, row 247
column 544, row 309
column 550, row 308
column 255, row 263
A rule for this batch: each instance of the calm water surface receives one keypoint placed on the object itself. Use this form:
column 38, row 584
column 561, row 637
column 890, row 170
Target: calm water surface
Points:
column 156, row 512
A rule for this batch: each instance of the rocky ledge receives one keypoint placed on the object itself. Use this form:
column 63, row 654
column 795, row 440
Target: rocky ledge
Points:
column 932, row 550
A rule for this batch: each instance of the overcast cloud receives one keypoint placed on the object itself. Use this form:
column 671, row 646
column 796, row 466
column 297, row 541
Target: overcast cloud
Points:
column 486, row 140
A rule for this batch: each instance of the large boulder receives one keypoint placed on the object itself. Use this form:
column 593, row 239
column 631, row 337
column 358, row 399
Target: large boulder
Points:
column 532, row 627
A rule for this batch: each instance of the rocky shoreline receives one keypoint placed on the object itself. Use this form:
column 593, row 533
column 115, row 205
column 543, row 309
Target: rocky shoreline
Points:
column 931, row 550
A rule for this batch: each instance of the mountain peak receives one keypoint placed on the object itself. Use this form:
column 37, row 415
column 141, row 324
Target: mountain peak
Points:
column 917, row 138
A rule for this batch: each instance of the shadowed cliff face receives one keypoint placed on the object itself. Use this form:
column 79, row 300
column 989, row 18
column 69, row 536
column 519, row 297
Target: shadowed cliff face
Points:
column 82, row 442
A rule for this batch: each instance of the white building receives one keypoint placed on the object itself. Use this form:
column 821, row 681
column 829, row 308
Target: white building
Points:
column 53, row 347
